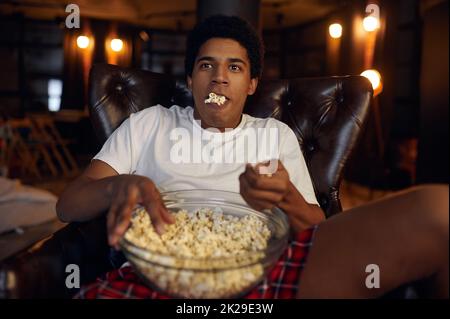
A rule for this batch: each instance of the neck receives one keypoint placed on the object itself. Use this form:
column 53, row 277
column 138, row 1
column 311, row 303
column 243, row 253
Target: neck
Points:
column 205, row 125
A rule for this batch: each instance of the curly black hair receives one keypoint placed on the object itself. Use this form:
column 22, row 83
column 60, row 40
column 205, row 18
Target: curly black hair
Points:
column 229, row 27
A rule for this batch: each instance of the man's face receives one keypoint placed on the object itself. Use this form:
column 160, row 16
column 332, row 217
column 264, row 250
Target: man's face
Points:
column 222, row 66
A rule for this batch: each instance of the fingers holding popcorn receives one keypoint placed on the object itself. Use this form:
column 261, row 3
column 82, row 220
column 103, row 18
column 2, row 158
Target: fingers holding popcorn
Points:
column 262, row 191
column 127, row 192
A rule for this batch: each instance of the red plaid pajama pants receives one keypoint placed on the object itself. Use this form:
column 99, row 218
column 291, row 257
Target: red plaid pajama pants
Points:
column 282, row 281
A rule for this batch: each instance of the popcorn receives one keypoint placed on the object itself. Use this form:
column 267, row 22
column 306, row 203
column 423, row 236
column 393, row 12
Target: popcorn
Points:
column 203, row 233
column 214, row 98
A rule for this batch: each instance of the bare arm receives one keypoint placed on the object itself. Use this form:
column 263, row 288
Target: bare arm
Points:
column 302, row 214
column 101, row 188
column 89, row 195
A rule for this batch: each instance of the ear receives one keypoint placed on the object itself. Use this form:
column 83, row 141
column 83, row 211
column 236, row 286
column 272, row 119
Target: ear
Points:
column 252, row 86
column 189, row 82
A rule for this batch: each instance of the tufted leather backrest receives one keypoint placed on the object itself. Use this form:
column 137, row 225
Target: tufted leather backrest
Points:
column 326, row 114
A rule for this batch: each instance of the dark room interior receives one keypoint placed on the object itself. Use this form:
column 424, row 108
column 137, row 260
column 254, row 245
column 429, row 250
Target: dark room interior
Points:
column 70, row 73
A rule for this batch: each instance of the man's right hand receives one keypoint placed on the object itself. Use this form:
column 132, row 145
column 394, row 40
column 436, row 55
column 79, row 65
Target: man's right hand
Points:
column 101, row 188
column 126, row 191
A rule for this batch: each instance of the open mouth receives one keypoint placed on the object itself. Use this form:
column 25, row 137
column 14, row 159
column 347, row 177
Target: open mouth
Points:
column 216, row 99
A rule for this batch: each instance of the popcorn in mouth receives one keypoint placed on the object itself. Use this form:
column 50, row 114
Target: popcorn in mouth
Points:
column 215, row 98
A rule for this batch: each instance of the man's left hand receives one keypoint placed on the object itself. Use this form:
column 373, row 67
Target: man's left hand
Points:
column 263, row 191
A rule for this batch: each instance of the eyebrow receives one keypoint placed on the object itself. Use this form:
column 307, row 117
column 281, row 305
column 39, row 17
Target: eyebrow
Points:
column 210, row 58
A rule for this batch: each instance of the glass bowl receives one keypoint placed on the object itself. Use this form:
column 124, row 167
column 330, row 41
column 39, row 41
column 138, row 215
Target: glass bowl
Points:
column 214, row 277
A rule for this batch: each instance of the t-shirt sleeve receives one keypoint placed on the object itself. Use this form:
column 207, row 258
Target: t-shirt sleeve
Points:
column 117, row 151
column 292, row 158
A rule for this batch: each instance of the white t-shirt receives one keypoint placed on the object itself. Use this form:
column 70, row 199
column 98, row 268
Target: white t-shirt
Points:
column 176, row 153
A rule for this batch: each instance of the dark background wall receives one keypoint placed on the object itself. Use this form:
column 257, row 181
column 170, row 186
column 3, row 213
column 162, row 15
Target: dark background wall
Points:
column 411, row 53
column 31, row 53
column 433, row 140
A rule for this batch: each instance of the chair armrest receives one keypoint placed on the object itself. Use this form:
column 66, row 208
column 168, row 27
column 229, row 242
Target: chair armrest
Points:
column 40, row 272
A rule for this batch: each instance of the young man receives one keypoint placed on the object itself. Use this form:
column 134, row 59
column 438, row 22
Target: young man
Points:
column 404, row 237
column 224, row 57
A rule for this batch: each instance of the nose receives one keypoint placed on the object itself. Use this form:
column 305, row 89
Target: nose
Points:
column 220, row 75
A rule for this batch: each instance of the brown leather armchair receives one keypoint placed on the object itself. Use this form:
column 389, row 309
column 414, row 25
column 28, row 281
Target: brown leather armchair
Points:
column 326, row 114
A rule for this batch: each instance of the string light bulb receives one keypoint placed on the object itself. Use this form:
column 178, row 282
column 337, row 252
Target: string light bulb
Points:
column 371, row 23
column 375, row 79
column 335, row 30
column 116, row 45
column 82, row 41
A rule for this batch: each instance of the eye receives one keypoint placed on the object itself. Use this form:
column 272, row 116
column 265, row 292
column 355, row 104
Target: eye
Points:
column 235, row 68
column 205, row 66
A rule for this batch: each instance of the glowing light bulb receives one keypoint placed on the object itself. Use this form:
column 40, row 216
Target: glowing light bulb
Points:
column 371, row 23
column 82, row 42
column 335, row 30
column 375, row 79
column 116, row 45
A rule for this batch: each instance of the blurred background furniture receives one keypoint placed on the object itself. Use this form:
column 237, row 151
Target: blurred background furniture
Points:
column 33, row 148
column 46, row 128
column 27, row 215
column 326, row 114
column 45, row 65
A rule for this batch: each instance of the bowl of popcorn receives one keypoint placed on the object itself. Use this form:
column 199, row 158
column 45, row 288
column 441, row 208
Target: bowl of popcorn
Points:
column 218, row 246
